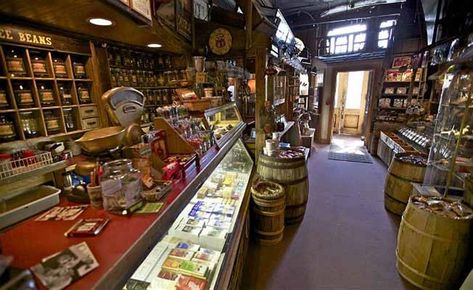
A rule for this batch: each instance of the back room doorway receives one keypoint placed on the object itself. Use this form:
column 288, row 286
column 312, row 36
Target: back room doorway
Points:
column 351, row 92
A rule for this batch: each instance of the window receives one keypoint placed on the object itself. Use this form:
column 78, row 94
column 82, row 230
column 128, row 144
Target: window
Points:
column 385, row 32
column 346, row 39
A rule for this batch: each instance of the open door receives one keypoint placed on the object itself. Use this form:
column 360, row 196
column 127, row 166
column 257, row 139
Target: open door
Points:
column 350, row 101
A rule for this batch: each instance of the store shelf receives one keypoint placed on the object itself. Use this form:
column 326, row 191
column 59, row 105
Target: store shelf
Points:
column 83, row 80
column 64, row 80
column 44, row 79
column 395, row 95
column 8, row 111
column 21, row 78
column 29, row 109
column 392, row 108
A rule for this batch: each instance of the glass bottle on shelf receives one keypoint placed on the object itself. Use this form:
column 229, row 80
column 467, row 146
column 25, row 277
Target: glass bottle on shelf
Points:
column 59, row 68
column 4, row 104
column 83, row 93
column 38, row 63
column 15, row 63
column 69, row 121
column 23, row 96
column 46, row 96
column 29, row 124
column 79, row 70
column 7, row 129
column 65, row 94
column 53, row 125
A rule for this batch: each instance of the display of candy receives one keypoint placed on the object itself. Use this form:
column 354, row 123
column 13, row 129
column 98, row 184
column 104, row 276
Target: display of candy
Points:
column 449, row 208
column 414, row 159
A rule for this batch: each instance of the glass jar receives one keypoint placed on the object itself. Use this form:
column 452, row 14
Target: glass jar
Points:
column 7, row 129
column 69, row 121
column 65, row 94
column 121, row 185
column 53, row 125
column 4, row 104
column 23, row 96
column 15, row 63
column 59, row 68
column 38, row 65
column 29, row 124
column 46, row 96
column 79, row 70
column 83, row 93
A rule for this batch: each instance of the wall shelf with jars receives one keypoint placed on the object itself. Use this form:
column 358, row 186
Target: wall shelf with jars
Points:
column 156, row 75
column 44, row 92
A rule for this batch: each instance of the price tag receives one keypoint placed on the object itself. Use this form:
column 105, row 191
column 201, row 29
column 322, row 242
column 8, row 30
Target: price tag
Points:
column 200, row 77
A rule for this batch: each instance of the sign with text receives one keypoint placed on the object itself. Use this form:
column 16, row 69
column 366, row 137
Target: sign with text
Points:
column 16, row 35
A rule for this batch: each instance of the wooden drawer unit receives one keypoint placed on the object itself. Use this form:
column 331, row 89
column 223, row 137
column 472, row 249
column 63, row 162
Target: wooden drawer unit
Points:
column 90, row 123
column 88, row 112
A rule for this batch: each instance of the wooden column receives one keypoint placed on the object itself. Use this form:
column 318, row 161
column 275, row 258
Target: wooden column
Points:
column 260, row 111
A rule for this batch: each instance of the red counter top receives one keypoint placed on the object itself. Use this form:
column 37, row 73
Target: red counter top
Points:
column 30, row 241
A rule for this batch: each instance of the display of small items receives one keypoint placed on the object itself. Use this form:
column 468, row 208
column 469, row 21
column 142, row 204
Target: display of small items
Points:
column 416, row 137
column 141, row 69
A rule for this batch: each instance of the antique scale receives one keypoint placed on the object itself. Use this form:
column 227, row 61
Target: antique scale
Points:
column 124, row 106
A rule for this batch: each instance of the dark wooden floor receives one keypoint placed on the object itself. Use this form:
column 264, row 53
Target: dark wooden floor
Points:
column 346, row 240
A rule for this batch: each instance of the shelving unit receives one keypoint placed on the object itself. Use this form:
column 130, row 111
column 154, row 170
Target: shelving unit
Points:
column 45, row 82
column 156, row 76
column 450, row 155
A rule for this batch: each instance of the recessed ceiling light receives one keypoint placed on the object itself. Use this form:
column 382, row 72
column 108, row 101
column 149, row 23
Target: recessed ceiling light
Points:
column 100, row 21
column 155, row 45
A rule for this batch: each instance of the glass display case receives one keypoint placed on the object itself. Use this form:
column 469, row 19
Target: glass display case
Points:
column 223, row 121
column 194, row 248
column 451, row 154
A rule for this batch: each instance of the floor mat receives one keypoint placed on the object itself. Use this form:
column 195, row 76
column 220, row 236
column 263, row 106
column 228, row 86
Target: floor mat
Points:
column 349, row 153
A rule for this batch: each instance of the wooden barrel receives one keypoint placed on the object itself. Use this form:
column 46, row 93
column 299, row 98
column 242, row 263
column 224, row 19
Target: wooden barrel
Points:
column 432, row 249
column 268, row 211
column 292, row 173
column 398, row 184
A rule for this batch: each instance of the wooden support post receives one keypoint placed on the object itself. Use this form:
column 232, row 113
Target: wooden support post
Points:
column 260, row 111
column 249, row 23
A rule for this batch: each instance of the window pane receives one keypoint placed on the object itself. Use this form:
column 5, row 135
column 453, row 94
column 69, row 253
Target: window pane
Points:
column 347, row 29
column 383, row 34
column 341, row 40
column 358, row 46
column 383, row 43
column 360, row 37
column 387, row 23
column 341, row 49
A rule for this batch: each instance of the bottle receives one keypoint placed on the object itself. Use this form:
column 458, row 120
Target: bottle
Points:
column 15, row 63
column 46, row 96
column 65, row 94
column 59, row 68
column 23, row 96
column 83, row 93
column 7, row 129
column 29, row 124
column 53, row 125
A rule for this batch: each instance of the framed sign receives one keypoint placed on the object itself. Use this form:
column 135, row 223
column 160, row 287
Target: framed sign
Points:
column 184, row 18
column 220, row 41
column 143, row 7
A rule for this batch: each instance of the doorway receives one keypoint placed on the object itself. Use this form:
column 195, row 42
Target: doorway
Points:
column 351, row 91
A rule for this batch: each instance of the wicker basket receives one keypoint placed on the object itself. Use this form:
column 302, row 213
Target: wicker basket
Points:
column 196, row 105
